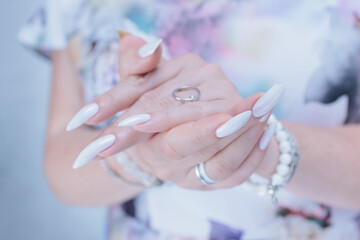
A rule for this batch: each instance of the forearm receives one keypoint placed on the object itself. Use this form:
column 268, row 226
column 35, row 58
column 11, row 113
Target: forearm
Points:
column 329, row 167
column 89, row 185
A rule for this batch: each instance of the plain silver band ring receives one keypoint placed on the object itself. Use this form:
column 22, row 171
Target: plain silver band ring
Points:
column 191, row 98
column 202, row 175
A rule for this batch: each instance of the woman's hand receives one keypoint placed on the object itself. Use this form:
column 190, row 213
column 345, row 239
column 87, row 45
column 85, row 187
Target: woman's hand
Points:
column 230, row 159
column 153, row 95
column 141, row 93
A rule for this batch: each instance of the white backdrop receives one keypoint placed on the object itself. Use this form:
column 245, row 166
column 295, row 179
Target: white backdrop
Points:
column 28, row 210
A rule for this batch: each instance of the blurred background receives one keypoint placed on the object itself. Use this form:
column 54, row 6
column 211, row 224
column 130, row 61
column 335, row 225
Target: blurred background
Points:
column 28, row 209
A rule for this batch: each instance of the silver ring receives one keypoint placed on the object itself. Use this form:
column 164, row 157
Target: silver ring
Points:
column 203, row 176
column 190, row 98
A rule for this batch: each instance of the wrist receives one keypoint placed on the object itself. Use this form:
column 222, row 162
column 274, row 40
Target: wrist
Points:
column 287, row 159
column 119, row 170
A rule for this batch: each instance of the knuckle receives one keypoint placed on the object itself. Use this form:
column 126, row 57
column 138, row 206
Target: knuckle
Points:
column 155, row 98
column 191, row 58
column 194, row 57
column 146, row 155
column 149, row 98
column 136, row 81
column 224, row 168
column 166, row 102
column 169, row 150
column 164, row 174
column 213, row 70
column 208, row 153
column 201, row 137
column 198, row 111
column 109, row 99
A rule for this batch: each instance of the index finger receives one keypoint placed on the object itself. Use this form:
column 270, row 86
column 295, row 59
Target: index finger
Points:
column 133, row 62
column 137, row 57
column 192, row 137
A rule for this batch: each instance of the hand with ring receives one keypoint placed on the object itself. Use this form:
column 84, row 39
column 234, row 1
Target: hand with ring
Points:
column 219, row 151
column 182, row 109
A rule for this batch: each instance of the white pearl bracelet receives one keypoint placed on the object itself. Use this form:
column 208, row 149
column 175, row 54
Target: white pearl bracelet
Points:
column 118, row 178
column 289, row 157
column 146, row 179
column 130, row 167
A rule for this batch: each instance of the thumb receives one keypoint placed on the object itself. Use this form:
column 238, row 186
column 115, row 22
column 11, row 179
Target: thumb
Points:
column 137, row 57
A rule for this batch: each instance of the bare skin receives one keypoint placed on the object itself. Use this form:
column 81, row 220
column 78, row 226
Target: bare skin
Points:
column 74, row 187
column 327, row 172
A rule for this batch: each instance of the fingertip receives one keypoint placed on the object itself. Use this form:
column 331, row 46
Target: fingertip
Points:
column 149, row 48
column 213, row 122
column 246, row 103
column 131, row 41
column 83, row 116
column 147, row 57
column 138, row 57
column 155, row 125
column 233, row 125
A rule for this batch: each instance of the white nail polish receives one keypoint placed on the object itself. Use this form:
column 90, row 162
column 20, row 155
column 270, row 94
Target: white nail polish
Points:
column 134, row 120
column 266, row 138
column 264, row 118
column 269, row 100
column 93, row 149
column 149, row 48
column 233, row 125
column 83, row 116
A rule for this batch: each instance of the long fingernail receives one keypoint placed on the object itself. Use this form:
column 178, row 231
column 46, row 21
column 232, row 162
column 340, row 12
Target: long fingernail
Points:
column 266, row 138
column 233, row 125
column 149, row 48
column 134, row 120
column 93, row 149
column 269, row 100
column 264, row 118
column 83, row 116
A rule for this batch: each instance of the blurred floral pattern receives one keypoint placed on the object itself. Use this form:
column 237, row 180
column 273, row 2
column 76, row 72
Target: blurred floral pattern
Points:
column 257, row 43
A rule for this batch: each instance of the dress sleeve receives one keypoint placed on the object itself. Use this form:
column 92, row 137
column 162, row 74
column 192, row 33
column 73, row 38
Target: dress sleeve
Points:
column 50, row 25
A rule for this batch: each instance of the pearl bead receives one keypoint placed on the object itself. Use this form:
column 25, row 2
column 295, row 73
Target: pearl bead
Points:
column 282, row 170
column 276, row 179
column 272, row 119
column 282, row 136
column 279, row 127
column 285, row 147
column 285, row 158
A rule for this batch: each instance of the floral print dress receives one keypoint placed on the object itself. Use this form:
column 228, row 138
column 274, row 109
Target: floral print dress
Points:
column 257, row 43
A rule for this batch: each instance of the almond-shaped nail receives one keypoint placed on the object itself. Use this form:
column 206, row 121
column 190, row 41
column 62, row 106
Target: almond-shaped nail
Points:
column 83, row 116
column 93, row 149
column 149, row 48
column 269, row 100
column 264, row 118
column 268, row 134
column 134, row 120
column 233, row 125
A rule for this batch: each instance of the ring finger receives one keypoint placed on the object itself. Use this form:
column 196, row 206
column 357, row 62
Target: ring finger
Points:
column 226, row 162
